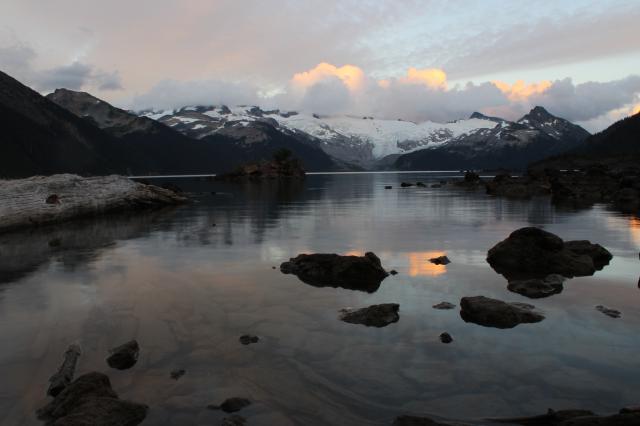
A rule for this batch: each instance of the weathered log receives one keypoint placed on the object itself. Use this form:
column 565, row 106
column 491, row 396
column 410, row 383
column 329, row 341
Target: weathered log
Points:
column 64, row 375
column 46, row 199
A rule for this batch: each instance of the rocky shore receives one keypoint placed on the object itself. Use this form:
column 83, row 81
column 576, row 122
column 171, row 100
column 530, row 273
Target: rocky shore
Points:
column 578, row 188
column 41, row 200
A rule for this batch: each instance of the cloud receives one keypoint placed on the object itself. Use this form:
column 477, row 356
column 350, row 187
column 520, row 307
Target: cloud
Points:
column 433, row 78
column 19, row 61
column 351, row 76
column 169, row 94
column 520, row 91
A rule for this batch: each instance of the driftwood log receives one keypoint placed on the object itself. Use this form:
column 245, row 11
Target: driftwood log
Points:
column 64, row 375
column 47, row 199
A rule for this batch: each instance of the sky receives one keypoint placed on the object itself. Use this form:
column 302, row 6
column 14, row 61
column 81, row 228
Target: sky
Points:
column 416, row 60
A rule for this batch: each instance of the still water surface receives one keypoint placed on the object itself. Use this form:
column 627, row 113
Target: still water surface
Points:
column 186, row 290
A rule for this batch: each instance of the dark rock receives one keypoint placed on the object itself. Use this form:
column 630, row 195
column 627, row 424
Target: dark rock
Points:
column 421, row 184
column 53, row 199
column 536, row 288
column 471, row 177
column 496, row 313
column 247, row 339
column 332, row 270
column 282, row 166
column 176, row 374
column 608, row 311
column 440, row 260
column 532, row 252
column 436, row 185
column 231, row 405
column 372, row 316
column 446, row 338
column 444, row 305
column 627, row 200
column 172, row 187
column 388, row 187
column 90, row 401
column 552, row 418
column 630, row 409
column 124, row 356
column 393, row 272
column 234, row 420
column 406, row 184
column 415, row 421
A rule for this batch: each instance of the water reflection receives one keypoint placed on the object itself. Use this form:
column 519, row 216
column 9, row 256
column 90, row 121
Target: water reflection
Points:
column 186, row 290
column 420, row 264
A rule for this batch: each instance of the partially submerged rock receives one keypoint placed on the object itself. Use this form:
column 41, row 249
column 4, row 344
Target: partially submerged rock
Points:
column 444, row 305
column 372, row 316
column 536, row 288
column 124, row 356
column 90, row 401
column 532, row 252
column 231, row 405
column 332, row 270
column 496, row 313
column 247, row 339
column 526, row 186
column 42, row 200
column 176, row 374
column 446, row 338
column 283, row 165
column 63, row 377
column 440, row 260
column 613, row 313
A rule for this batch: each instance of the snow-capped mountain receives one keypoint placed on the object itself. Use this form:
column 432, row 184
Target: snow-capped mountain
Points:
column 370, row 143
column 507, row 145
column 361, row 141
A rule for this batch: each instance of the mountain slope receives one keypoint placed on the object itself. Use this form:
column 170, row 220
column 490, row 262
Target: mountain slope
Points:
column 508, row 145
column 153, row 147
column 39, row 137
column 618, row 146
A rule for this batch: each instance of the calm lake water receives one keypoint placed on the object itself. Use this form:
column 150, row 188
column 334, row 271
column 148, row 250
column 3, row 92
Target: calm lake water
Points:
column 186, row 290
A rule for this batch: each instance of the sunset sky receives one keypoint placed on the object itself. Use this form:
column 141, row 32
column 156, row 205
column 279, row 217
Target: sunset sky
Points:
column 418, row 60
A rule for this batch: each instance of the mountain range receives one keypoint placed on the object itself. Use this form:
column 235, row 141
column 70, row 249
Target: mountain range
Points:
column 70, row 131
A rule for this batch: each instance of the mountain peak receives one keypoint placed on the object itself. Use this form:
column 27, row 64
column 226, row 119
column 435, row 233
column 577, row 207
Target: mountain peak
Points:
column 481, row 116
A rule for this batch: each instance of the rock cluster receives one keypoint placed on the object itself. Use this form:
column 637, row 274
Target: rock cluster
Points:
column 533, row 252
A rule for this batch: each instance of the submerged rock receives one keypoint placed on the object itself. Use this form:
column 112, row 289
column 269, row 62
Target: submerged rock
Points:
column 406, row 184
column 609, row 312
column 416, row 421
column 536, row 288
column 496, row 313
column 234, row 420
column 532, row 252
column 440, row 260
column 124, row 356
column 444, row 305
column 89, row 400
column 231, row 405
column 247, row 339
column 372, row 316
column 332, row 270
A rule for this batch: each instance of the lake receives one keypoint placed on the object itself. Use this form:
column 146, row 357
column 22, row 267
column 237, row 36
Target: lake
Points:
column 187, row 282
